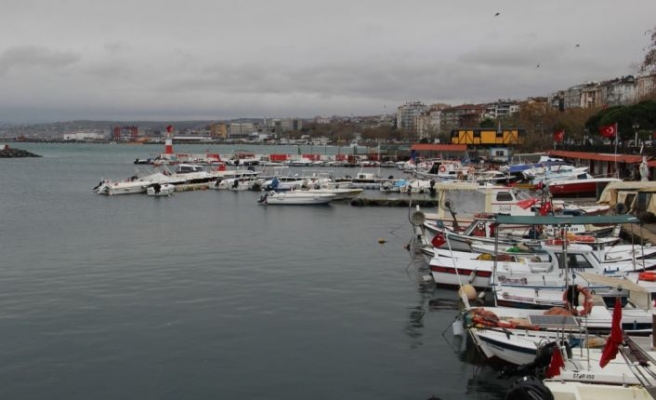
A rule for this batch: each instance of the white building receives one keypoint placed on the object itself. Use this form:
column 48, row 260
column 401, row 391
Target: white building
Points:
column 84, row 136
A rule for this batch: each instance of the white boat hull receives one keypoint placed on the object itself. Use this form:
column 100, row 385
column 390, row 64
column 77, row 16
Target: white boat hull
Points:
column 163, row 191
column 296, row 198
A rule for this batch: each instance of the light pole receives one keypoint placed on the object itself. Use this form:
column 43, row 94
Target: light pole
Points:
column 636, row 126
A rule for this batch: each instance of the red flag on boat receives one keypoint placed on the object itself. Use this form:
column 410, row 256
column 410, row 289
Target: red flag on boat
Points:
column 559, row 136
column 615, row 339
column 169, row 128
column 608, row 131
column 556, row 363
column 545, row 208
column 438, row 240
column 527, row 203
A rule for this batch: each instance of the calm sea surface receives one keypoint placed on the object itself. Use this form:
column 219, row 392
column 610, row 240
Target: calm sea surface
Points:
column 208, row 295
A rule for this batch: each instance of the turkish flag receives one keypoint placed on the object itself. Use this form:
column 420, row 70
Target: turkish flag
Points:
column 615, row 339
column 527, row 203
column 559, row 136
column 556, row 363
column 545, row 208
column 169, row 128
column 608, row 131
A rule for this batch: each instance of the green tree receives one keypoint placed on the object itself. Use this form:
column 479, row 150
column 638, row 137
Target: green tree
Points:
column 487, row 123
column 642, row 114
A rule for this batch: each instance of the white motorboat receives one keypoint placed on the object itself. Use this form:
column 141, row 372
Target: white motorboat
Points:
column 296, row 197
column 341, row 192
column 133, row 185
column 192, row 176
column 157, row 189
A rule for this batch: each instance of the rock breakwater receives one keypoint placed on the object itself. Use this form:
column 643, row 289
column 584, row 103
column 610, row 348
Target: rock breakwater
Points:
column 9, row 152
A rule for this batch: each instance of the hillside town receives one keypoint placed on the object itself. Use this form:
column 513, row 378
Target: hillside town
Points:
column 566, row 111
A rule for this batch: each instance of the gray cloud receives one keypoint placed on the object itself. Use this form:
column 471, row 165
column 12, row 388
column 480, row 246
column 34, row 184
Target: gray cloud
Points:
column 227, row 59
column 34, row 57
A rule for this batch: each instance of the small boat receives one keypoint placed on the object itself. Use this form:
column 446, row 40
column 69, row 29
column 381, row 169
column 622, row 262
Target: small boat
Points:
column 164, row 189
column 134, row 184
column 296, row 197
column 583, row 185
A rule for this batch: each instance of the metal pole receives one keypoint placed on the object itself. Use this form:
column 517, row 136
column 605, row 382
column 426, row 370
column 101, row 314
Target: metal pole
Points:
column 617, row 137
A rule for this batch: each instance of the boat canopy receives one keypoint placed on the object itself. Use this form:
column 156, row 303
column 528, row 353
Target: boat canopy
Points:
column 565, row 219
column 611, row 282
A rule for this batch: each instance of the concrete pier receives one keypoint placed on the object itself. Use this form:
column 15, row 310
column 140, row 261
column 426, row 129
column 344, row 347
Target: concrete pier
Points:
column 394, row 202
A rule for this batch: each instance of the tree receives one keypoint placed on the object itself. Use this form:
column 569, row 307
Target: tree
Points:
column 642, row 114
column 648, row 65
column 572, row 121
column 487, row 123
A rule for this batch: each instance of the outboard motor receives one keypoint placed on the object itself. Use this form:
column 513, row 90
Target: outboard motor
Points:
column 235, row 183
column 539, row 363
column 529, row 388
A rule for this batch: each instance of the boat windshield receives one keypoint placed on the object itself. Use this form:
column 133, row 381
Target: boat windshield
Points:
column 522, row 195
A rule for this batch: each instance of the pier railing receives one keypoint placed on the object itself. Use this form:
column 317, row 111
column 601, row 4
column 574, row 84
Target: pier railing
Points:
column 609, row 149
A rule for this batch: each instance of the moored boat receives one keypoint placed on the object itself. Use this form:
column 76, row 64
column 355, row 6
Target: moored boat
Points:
column 160, row 190
column 583, row 186
column 296, row 197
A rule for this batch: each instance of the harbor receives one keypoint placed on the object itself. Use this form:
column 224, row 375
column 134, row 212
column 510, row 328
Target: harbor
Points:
column 217, row 226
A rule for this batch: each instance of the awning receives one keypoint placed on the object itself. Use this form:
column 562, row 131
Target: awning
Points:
column 611, row 282
column 565, row 219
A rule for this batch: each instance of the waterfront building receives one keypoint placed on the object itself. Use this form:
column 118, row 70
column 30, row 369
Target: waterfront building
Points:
column 84, row 137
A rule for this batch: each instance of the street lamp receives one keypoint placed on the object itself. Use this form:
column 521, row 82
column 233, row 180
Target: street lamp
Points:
column 636, row 126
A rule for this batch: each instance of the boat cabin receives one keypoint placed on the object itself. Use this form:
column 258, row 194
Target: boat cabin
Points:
column 188, row 168
column 471, row 199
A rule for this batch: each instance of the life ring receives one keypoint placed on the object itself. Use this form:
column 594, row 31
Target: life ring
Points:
column 587, row 301
column 649, row 276
column 442, row 168
column 584, row 239
column 555, row 242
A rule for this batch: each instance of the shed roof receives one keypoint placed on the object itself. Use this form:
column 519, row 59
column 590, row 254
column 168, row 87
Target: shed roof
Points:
column 438, row 147
column 581, row 155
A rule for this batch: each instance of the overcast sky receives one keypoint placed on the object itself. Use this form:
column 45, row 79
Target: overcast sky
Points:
column 170, row 60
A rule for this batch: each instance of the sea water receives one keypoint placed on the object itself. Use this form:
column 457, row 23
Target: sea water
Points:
column 209, row 295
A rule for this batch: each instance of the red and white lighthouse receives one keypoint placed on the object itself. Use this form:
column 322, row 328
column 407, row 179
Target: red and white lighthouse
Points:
column 168, row 143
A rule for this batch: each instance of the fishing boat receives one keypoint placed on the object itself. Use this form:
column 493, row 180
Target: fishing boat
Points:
column 535, row 267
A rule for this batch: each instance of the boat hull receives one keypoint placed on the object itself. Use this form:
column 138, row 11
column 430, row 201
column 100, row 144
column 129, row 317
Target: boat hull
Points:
column 297, row 199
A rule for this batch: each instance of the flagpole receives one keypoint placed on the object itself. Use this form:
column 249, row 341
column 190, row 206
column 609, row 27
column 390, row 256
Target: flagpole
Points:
column 617, row 173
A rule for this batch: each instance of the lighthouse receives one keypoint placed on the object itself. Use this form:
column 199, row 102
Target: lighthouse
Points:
column 168, row 143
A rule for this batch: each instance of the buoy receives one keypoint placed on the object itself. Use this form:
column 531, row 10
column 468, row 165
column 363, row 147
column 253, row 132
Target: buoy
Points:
column 381, row 241
column 469, row 291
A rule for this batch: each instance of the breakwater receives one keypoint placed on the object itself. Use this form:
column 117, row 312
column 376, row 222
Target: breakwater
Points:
column 393, row 202
column 9, row 152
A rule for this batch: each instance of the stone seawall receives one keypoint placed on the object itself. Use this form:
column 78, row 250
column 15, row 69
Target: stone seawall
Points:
column 8, row 152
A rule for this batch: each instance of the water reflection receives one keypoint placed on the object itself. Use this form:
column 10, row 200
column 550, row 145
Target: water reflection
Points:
column 481, row 380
